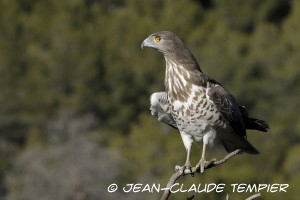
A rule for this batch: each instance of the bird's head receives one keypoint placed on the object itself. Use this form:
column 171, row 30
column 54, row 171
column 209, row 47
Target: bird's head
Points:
column 171, row 46
column 164, row 41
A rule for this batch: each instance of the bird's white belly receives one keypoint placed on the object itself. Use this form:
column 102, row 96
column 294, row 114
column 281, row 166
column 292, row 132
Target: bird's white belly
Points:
column 197, row 130
column 190, row 126
column 194, row 124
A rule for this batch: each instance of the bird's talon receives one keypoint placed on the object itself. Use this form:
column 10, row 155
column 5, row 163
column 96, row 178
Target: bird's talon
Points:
column 201, row 165
column 183, row 168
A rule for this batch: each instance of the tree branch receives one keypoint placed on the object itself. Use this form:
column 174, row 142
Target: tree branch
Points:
column 254, row 196
column 208, row 165
column 249, row 198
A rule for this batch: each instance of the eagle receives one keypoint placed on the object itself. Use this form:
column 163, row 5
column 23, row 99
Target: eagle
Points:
column 197, row 105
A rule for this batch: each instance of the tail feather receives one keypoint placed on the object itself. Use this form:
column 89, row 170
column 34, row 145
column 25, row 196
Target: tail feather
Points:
column 256, row 124
column 233, row 144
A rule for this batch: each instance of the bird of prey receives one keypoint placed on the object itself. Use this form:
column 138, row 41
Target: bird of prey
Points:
column 197, row 105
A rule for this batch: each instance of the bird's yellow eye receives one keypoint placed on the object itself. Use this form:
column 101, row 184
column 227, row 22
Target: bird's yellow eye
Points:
column 157, row 39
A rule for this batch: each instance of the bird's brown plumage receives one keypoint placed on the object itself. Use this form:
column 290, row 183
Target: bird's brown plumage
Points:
column 200, row 106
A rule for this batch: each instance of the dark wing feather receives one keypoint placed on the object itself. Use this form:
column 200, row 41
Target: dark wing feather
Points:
column 253, row 123
column 227, row 106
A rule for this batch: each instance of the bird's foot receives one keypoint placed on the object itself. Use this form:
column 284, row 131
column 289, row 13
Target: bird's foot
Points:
column 202, row 163
column 181, row 169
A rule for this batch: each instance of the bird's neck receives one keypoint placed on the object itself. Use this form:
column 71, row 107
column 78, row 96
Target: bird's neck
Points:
column 181, row 76
column 177, row 81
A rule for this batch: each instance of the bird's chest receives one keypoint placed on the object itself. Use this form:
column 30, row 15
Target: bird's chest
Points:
column 192, row 115
column 190, row 106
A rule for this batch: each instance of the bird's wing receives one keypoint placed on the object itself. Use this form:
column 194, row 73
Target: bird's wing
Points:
column 227, row 106
column 244, row 111
column 160, row 108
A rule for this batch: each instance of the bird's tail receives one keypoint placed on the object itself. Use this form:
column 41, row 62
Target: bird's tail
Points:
column 256, row 124
column 234, row 143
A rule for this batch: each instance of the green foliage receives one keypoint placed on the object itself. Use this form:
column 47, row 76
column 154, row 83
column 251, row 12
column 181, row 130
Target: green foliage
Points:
column 74, row 69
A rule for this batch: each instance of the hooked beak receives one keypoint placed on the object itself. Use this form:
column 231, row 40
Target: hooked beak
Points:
column 146, row 43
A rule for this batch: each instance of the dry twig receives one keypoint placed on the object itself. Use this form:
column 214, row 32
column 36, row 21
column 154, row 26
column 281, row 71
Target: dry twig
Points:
column 249, row 198
column 254, row 196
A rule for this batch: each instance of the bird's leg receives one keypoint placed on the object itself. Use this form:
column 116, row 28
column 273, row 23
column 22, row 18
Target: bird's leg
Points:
column 187, row 141
column 201, row 164
column 187, row 164
column 202, row 161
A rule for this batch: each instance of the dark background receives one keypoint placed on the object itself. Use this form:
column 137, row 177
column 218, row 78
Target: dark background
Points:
column 75, row 88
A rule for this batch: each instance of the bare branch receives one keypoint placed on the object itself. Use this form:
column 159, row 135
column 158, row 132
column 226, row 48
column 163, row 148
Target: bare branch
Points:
column 254, row 196
column 249, row 198
column 208, row 165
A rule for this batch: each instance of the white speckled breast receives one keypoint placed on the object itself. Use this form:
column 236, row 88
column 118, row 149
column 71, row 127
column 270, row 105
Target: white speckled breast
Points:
column 191, row 109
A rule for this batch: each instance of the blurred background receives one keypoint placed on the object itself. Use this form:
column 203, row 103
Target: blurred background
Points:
column 75, row 88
